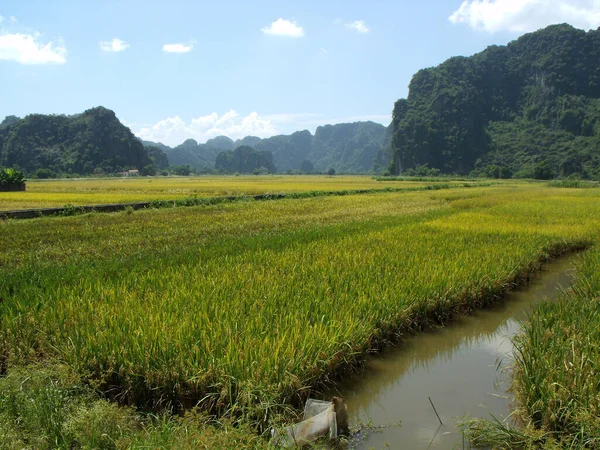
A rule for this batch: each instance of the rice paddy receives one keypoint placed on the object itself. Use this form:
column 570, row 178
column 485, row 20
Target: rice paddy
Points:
column 95, row 191
column 239, row 308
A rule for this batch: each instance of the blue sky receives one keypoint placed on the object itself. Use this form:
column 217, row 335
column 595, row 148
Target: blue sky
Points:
column 179, row 69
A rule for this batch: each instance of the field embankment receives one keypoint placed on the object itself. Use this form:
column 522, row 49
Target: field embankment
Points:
column 242, row 307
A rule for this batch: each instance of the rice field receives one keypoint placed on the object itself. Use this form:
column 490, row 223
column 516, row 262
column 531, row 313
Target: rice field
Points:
column 95, row 191
column 239, row 308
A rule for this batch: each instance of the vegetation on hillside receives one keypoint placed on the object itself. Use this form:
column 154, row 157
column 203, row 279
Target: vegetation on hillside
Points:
column 528, row 109
column 92, row 142
column 245, row 159
column 358, row 147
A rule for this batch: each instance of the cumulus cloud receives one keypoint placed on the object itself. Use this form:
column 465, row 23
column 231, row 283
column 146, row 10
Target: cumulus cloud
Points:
column 526, row 15
column 358, row 26
column 28, row 49
column 177, row 48
column 115, row 45
column 282, row 27
column 174, row 130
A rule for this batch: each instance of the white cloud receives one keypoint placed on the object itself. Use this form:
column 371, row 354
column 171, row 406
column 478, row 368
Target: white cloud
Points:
column 1, row 19
column 116, row 45
column 174, row 130
column 282, row 27
column 358, row 26
column 177, row 48
column 324, row 51
column 13, row 19
column 27, row 49
column 526, row 15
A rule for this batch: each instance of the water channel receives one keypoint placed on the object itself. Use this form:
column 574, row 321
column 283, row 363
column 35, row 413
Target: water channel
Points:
column 458, row 366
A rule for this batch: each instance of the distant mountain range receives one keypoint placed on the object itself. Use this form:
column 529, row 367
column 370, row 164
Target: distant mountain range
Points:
column 95, row 141
column 358, row 147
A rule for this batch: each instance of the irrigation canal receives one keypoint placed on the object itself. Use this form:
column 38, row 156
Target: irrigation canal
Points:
column 459, row 367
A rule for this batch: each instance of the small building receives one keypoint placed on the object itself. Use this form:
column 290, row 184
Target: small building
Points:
column 131, row 173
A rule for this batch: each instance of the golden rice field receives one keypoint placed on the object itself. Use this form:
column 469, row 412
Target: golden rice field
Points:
column 241, row 307
column 96, row 191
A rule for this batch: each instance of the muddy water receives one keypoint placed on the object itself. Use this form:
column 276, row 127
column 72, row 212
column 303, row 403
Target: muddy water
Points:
column 457, row 366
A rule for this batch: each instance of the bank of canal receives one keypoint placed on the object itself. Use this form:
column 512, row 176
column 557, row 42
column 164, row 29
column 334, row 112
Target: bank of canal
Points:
column 458, row 366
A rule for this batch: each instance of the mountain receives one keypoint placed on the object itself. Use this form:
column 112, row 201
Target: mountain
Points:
column 530, row 108
column 245, row 159
column 248, row 140
column 199, row 156
column 160, row 145
column 288, row 150
column 95, row 142
column 348, row 147
column 78, row 144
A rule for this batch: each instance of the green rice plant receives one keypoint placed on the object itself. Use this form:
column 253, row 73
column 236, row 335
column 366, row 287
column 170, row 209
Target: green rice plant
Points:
column 242, row 307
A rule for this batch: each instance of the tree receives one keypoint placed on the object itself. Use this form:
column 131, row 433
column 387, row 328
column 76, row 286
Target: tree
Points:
column 331, row 171
column 244, row 159
column 543, row 171
column 184, row 170
column 307, row 167
column 148, row 170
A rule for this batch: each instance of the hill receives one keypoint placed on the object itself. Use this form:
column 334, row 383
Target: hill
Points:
column 245, row 159
column 95, row 142
column 347, row 147
column 80, row 144
column 530, row 108
column 198, row 156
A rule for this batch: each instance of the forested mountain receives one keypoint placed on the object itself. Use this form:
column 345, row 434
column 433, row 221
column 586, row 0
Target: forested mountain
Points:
column 531, row 108
column 245, row 159
column 347, row 147
column 96, row 142
column 198, row 156
column 80, row 144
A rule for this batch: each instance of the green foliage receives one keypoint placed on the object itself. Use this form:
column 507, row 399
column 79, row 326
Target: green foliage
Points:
column 157, row 156
column 348, row 147
column 8, row 120
column 422, row 171
column 245, row 159
column 43, row 174
column 506, row 110
column 148, row 171
column 192, row 154
column 307, row 167
column 47, row 406
column 75, row 144
column 331, row 171
column 11, row 177
column 184, row 170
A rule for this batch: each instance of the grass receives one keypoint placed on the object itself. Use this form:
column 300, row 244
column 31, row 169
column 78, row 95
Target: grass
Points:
column 241, row 308
column 46, row 405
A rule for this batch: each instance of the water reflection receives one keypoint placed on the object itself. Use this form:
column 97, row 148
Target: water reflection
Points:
column 456, row 366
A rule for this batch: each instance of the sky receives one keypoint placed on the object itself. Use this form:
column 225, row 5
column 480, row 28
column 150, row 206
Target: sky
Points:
column 173, row 70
